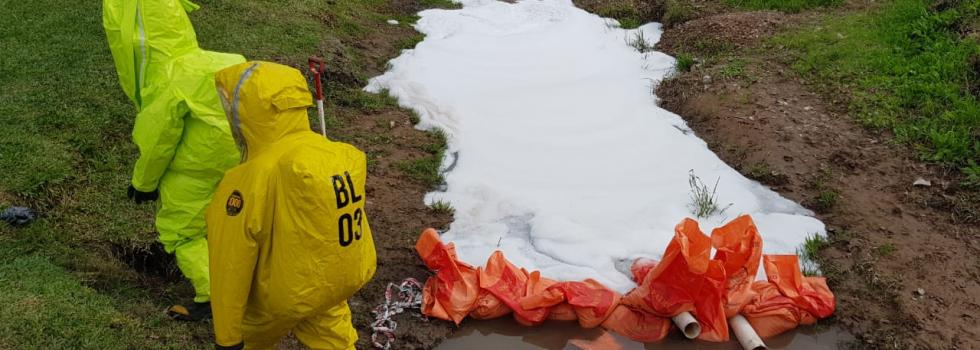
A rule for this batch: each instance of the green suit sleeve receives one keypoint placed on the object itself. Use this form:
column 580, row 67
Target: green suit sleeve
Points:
column 157, row 131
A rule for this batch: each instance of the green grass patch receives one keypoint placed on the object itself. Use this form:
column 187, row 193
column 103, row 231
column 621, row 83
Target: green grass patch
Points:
column 428, row 169
column 781, row 5
column 677, row 12
column 627, row 15
column 45, row 307
column 684, row 62
column 442, row 207
column 906, row 68
column 885, row 250
column 809, row 254
column 734, row 69
column 66, row 151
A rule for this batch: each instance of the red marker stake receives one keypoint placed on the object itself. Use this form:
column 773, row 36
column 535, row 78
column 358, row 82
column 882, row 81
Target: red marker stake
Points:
column 316, row 66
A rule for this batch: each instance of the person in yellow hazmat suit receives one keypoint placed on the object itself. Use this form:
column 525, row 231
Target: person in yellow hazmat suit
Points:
column 287, row 232
column 183, row 137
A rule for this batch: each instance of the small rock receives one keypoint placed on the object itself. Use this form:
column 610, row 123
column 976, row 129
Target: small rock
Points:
column 391, row 125
column 706, row 79
column 920, row 292
column 392, row 22
column 807, row 108
column 922, row 182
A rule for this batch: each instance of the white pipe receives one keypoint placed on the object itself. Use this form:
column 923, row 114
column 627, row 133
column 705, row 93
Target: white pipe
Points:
column 746, row 336
column 688, row 325
column 323, row 122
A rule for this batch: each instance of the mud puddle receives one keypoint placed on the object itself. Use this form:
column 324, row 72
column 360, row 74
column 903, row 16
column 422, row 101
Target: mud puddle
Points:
column 507, row 334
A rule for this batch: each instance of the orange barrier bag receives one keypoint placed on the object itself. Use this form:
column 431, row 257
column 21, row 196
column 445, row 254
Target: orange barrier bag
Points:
column 770, row 313
column 641, row 267
column 739, row 248
column 686, row 280
column 563, row 312
column 488, row 306
column 509, row 284
column 592, row 301
column 809, row 293
column 452, row 292
column 788, row 299
column 637, row 324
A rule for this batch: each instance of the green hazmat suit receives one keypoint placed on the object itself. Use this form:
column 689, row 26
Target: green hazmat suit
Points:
column 181, row 131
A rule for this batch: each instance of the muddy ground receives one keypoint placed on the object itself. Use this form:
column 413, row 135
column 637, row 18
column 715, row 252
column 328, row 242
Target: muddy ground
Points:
column 902, row 259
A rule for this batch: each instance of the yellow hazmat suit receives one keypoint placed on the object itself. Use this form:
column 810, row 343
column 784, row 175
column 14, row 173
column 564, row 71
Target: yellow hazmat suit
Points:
column 288, row 237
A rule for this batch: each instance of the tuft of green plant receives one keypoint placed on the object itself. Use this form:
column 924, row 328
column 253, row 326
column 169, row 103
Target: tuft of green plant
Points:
column 365, row 101
column 734, row 69
column 791, row 6
column 441, row 4
column 904, row 66
column 639, row 42
column 684, row 62
column 442, row 207
column 410, row 42
column 428, row 169
column 972, row 172
column 809, row 254
column 704, row 200
column 628, row 16
column 414, row 118
column 826, row 200
column 677, row 12
column 885, row 249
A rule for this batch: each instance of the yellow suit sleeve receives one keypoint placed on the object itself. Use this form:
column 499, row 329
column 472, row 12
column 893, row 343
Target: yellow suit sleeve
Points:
column 157, row 131
column 233, row 255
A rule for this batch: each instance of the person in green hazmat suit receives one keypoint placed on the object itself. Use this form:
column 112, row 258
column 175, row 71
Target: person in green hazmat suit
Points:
column 289, row 238
column 183, row 137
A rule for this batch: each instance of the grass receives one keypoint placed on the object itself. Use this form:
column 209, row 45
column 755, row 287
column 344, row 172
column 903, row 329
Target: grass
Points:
column 885, row 250
column 809, row 254
column 905, row 67
column 66, row 152
column 639, row 42
column 826, row 200
column 677, row 12
column 781, row 5
column 734, row 69
column 704, row 200
column 627, row 15
column 428, row 170
column 684, row 62
column 442, row 207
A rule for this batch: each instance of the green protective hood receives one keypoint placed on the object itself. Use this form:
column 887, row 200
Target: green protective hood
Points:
column 141, row 44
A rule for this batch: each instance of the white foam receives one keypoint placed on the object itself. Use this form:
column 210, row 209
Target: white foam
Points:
column 565, row 162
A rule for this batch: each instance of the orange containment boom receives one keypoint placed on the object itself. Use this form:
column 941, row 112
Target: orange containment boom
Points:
column 686, row 280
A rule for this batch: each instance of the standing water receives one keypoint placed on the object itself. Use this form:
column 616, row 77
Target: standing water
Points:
column 507, row 334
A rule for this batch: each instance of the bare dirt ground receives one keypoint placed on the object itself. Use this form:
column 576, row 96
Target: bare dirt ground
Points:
column 902, row 259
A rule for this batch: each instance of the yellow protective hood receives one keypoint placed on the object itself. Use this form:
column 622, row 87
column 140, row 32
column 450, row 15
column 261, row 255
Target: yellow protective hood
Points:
column 264, row 102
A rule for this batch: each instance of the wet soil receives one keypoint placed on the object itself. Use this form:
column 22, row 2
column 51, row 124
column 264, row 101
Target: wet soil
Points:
column 902, row 259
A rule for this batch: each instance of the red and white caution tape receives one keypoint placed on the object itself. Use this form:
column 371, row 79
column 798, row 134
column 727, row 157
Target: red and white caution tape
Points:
column 398, row 298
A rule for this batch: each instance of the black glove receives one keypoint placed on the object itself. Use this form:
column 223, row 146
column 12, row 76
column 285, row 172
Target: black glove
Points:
column 142, row 197
column 238, row 346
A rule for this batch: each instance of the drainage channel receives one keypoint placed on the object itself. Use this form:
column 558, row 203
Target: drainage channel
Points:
column 504, row 333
